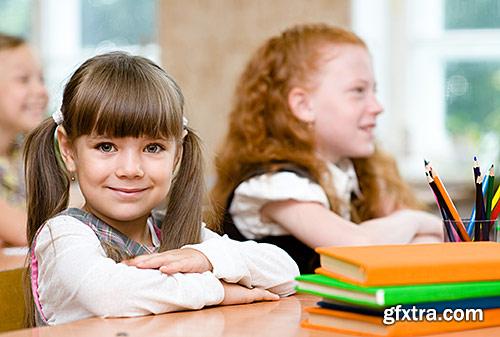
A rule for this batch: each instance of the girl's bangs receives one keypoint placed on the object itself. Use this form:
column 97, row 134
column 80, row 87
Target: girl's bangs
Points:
column 133, row 103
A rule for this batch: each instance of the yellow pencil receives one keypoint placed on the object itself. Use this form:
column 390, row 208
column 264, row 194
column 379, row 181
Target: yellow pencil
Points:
column 495, row 198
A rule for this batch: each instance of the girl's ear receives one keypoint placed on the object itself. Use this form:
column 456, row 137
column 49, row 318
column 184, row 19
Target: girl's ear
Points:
column 300, row 103
column 66, row 149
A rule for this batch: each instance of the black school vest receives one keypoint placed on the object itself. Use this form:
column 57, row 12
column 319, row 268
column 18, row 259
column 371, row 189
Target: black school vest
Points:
column 305, row 257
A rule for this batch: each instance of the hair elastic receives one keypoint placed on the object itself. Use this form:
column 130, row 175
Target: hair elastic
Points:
column 58, row 117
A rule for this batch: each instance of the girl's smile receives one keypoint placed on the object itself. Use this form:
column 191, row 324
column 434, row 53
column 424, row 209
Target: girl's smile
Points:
column 129, row 193
column 121, row 178
column 369, row 129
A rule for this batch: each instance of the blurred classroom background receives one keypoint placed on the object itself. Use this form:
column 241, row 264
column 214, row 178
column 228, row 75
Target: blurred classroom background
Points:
column 437, row 63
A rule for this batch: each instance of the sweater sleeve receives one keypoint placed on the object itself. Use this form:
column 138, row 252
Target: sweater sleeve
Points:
column 76, row 279
column 249, row 263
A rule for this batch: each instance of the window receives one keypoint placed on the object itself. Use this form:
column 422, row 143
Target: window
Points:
column 70, row 31
column 16, row 17
column 438, row 66
column 123, row 22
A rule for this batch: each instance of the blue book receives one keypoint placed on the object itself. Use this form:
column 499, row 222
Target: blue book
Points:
column 468, row 303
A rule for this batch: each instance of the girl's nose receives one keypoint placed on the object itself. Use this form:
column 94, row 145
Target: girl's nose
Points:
column 129, row 165
column 375, row 107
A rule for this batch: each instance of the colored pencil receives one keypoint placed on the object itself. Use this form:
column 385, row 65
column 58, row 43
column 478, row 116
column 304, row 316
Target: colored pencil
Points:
column 489, row 199
column 470, row 226
column 453, row 210
column 495, row 198
column 449, row 226
column 476, row 168
column 489, row 191
column 428, row 167
column 493, row 218
column 495, row 212
column 482, row 229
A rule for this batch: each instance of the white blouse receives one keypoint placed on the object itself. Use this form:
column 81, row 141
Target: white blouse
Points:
column 77, row 280
column 251, row 195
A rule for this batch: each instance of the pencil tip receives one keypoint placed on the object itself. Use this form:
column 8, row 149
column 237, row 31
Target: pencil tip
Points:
column 475, row 158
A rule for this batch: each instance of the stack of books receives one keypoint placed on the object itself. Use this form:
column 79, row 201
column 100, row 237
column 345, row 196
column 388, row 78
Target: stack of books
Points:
column 405, row 290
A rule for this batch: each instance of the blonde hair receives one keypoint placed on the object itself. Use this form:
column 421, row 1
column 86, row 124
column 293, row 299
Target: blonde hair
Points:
column 263, row 130
column 118, row 95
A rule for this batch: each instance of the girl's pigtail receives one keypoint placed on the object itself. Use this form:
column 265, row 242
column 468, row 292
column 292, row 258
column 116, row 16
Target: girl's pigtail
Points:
column 47, row 184
column 182, row 224
column 47, row 193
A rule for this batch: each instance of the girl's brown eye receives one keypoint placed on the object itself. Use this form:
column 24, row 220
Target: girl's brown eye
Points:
column 105, row 147
column 153, row 148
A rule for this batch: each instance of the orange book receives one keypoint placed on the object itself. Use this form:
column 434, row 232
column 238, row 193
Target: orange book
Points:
column 412, row 264
column 364, row 325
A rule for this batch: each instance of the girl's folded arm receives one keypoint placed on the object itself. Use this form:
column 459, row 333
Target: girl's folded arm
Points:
column 75, row 274
column 317, row 226
column 249, row 263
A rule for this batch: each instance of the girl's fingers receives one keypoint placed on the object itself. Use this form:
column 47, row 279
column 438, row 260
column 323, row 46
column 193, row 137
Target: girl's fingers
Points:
column 148, row 261
column 135, row 260
column 139, row 259
column 175, row 267
column 266, row 295
column 157, row 261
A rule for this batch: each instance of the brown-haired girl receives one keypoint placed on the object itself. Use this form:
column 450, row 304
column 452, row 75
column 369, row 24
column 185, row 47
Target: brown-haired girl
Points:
column 23, row 100
column 122, row 135
column 299, row 167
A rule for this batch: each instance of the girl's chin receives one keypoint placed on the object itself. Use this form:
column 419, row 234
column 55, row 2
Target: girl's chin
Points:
column 364, row 152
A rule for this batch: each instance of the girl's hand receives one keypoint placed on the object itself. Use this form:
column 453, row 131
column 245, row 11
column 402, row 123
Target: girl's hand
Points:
column 237, row 294
column 427, row 239
column 428, row 225
column 185, row 260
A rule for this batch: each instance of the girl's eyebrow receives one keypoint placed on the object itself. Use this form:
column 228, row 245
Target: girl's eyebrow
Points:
column 361, row 79
column 164, row 140
column 94, row 139
column 364, row 82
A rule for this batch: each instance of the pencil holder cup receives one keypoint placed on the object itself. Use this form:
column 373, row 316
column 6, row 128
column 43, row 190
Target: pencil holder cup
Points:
column 477, row 230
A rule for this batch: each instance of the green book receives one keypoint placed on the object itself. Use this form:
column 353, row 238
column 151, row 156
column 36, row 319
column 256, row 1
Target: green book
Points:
column 383, row 296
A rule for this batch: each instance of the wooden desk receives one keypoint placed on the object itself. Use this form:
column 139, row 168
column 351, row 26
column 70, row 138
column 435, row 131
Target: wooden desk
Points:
column 273, row 319
column 8, row 262
column 280, row 318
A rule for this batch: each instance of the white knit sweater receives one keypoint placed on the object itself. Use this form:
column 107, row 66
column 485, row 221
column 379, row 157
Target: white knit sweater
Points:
column 76, row 280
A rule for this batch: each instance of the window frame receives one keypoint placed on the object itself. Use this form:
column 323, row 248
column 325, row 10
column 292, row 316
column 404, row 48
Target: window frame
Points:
column 410, row 47
column 59, row 40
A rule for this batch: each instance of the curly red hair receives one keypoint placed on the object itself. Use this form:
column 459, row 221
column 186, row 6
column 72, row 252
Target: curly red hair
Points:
column 263, row 129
